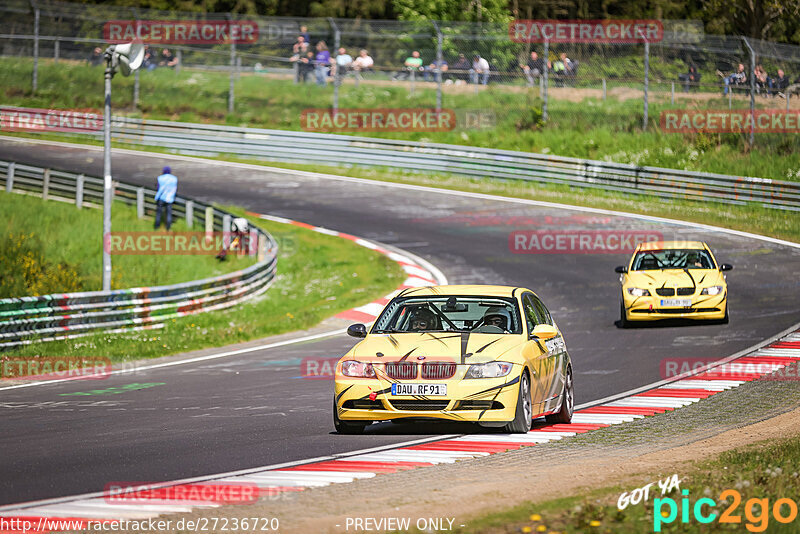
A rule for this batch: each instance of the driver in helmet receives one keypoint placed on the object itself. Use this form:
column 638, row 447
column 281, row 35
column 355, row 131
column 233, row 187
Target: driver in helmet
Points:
column 499, row 317
column 422, row 319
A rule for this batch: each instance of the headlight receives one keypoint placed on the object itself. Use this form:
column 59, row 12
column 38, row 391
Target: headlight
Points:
column 638, row 292
column 713, row 290
column 488, row 370
column 358, row 369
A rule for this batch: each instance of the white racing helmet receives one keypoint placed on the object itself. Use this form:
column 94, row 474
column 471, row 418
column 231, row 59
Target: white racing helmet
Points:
column 498, row 311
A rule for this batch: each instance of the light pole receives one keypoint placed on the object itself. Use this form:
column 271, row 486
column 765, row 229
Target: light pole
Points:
column 127, row 57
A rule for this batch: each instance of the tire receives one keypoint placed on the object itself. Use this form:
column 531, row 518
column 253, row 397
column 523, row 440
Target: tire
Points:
column 623, row 319
column 726, row 319
column 346, row 427
column 524, row 414
column 564, row 415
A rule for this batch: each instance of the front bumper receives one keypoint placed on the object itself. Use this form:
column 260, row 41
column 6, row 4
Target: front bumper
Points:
column 703, row 307
column 472, row 400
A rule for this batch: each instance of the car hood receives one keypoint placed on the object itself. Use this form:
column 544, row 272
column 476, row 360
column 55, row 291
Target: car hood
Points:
column 675, row 278
column 435, row 346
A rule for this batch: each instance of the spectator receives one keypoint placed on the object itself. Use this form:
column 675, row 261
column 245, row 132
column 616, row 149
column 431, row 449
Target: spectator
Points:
column 305, row 67
column 461, row 69
column 480, row 69
column 343, row 63
column 149, row 62
column 304, row 34
column 737, row 78
column 763, row 81
column 165, row 196
column 563, row 68
column 321, row 63
column 413, row 62
column 779, row 84
column 362, row 63
column 533, row 69
column 167, row 59
column 299, row 51
column 690, row 78
column 96, row 57
column 435, row 70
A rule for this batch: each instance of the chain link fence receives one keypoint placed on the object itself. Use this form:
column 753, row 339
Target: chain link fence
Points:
column 476, row 70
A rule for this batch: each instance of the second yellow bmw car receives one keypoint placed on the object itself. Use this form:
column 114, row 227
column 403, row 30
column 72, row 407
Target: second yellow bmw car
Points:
column 486, row 354
column 673, row 279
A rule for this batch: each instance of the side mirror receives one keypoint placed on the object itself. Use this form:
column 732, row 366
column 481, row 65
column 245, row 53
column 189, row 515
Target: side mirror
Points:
column 544, row 331
column 620, row 269
column 357, row 330
column 726, row 267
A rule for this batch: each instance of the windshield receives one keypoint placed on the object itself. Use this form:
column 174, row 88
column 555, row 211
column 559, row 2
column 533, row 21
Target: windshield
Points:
column 652, row 260
column 488, row 315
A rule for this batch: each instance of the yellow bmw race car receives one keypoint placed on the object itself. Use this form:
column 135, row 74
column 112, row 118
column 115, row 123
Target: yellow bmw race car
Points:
column 486, row 354
column 673, row 279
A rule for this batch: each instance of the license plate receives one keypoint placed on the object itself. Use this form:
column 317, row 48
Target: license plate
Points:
column 419, row 389
column 676, row 303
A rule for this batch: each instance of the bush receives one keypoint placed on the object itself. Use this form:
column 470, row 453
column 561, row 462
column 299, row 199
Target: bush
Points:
column 26, row 273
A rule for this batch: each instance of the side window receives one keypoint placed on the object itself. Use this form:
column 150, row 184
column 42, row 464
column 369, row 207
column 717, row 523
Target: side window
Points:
column 530, row 312
column 542, row 312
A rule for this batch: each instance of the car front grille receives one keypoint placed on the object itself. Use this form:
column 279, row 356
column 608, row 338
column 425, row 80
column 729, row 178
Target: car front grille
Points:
column 362, row 404
column 419, row 405
column 665, row 291
column 684, row 291
column 479, row 405
column 401, row 370
column 438, row 370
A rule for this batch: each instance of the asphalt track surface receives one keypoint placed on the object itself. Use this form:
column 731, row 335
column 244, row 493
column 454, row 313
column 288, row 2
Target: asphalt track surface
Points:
column 254, row 409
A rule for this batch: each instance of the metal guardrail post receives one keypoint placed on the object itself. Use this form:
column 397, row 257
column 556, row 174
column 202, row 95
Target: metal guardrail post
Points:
column 189, row 213
column 35, row 81
column 179, row 55
column 604, row 90
column 79, row 191
column 262, row 247
column 45, row 184
column 672, row 94
column 56, row 50
column 140, row 202
column 226, row 230
column 209, row 221
column 136, row 89
column 10, row 177
column 252, row 242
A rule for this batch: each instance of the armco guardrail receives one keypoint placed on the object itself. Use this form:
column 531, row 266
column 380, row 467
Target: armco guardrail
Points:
column 29, row 319
column 330, row 149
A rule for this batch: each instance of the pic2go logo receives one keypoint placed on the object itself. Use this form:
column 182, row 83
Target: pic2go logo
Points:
column 784, row 511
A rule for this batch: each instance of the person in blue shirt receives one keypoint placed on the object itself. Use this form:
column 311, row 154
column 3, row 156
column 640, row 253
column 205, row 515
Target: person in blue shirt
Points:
column 165, row 196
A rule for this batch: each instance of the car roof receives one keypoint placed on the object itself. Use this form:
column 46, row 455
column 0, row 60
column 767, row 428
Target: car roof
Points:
column 463, row 290
column 666, row 245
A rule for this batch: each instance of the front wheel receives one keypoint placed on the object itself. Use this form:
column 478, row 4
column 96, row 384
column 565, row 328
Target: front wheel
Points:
column 623, row 319
column 347, row 427
column 564, row 415
column 524, row 415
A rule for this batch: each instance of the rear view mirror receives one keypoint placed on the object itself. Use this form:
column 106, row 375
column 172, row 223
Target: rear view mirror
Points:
column 544, row 331
column 452, row 305
column 725, row 267
column 621, row 269
column 357, row 330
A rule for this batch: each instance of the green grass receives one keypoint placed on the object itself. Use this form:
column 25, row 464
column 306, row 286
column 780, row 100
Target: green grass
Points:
column 765, row 470
column 52, row 247
column 593, row 128
column 318, row 276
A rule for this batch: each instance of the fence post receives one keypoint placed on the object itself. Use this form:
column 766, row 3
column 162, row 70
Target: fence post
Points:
column 672, row 94
column 337, row 36
column 209, row 221
column 10, row 177
column 140, row 202
column 730, row 99
column 56, row 50
column 439, row 57
column 136, row 89
column 544, row 92
column 752, row 91
column 604, row 89
column 226, row 230
column 79, row 191
column 233, row 68
column 35, row 81
column 189, row 213
column 262, row 247
column 45, row 184
column 252, row 242
column 413, row 79
column 180, row 61
column 646, row 81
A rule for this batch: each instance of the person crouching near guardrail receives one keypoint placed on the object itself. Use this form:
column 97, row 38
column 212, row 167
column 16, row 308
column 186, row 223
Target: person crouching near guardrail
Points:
column 165, row 196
